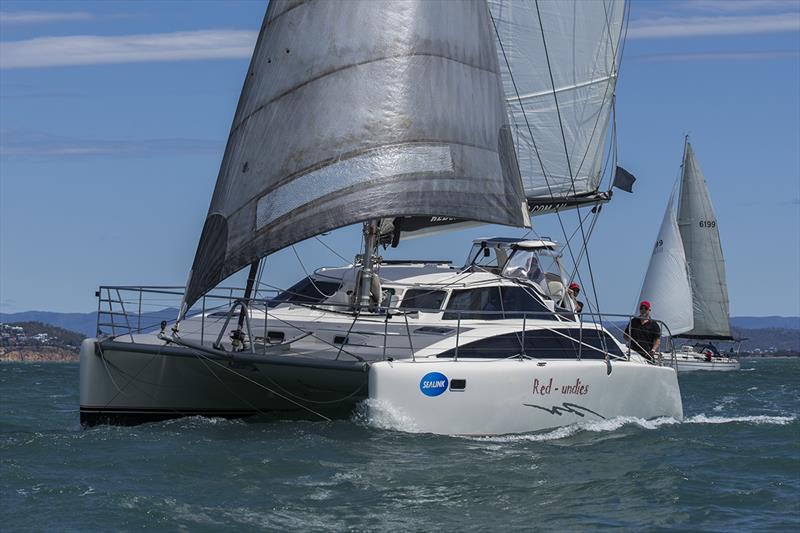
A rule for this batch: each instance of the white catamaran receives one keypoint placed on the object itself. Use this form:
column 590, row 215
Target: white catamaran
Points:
column 685, row 279
column 409, row 117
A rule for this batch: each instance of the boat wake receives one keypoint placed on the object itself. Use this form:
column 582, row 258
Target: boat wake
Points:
column 756, row 419
column 379, row 414
column 614, row 424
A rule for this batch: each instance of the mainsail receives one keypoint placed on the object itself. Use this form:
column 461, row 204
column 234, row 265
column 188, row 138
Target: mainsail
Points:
column 666, row 284
column 360, row 110
column 700, row 236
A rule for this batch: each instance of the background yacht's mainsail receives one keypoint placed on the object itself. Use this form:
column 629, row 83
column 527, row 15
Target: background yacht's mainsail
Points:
column 666, row 284
column 559, row 63
column 700, row 236
column 359, row 110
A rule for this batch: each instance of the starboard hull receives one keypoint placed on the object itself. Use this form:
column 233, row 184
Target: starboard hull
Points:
column 126, row 383
column 469, row 397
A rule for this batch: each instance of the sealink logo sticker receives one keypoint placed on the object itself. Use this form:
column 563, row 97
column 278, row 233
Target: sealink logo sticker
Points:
column 433, row 384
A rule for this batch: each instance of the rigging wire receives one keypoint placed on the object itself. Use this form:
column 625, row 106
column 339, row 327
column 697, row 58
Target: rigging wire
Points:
column 566, row 151
column 337, row 254
column 308, row 276
column 530, row 131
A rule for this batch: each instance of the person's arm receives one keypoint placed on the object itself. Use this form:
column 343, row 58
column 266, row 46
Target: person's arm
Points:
column 626, row 333
column 657, row 342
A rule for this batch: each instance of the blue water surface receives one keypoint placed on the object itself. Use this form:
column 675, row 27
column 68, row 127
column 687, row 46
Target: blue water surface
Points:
column 733, row 464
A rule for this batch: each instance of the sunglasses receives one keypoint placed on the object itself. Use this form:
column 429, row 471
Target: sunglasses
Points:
column 643, row 308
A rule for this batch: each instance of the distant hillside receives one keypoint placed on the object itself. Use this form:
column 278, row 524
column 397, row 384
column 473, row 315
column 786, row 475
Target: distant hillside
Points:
column 86, row 323
column 64, row 337
column 81, row 322
column 769, row 339
column 760, row 322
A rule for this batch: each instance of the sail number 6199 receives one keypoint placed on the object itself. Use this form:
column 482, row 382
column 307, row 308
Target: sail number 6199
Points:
column 708, row 223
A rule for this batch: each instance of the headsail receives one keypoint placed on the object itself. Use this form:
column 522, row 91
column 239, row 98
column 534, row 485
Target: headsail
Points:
column 666, row 284
column 700, row 236
column 582, row 40
column 360, row 110
column 560, row 125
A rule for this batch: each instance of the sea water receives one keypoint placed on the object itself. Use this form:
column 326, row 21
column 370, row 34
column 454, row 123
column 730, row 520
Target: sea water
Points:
column 733, row 464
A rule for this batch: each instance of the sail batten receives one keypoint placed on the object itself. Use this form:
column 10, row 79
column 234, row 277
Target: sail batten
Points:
column 353, row 111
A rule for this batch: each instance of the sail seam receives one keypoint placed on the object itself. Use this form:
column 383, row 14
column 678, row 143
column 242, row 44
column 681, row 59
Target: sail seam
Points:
column 325, row 74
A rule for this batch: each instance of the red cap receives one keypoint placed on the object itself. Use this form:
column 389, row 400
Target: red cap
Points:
column 574, row 285
column 645, row 303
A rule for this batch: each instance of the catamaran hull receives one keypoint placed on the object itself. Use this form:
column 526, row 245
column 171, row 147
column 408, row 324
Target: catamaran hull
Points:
column 469, row 397
column 127, row 383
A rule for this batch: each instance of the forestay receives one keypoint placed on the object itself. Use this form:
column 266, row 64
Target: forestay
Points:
column 359, row 110
column 666, row 284
column 700, row 236
column 578, row 43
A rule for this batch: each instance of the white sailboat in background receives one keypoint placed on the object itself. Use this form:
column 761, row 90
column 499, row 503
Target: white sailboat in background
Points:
column 407, row 117
column 685, row 279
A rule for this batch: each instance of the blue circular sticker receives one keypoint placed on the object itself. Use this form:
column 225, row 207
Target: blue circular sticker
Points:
column 433, row 384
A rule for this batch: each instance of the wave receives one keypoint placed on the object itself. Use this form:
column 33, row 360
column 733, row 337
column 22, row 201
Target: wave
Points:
column 614, row 424
column 381, row 415
column 601, row 426
column 755, row 419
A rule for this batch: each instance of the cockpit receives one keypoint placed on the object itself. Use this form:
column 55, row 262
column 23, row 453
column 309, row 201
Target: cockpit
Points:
column 537, row 261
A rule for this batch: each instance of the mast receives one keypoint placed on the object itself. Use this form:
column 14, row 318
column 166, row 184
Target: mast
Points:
column 363, row 297
column 248, row 290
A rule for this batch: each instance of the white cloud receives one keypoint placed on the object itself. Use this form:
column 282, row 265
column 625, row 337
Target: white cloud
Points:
column 741, row 6
column 41, row 17
column 720, row 56
column 23, row 143
column 94, row 50
column 707, row 26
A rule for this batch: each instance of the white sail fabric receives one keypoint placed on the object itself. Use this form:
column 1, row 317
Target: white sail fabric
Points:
column 578, row 42
column 666, row 284
column 700, row 236
column 357, row 110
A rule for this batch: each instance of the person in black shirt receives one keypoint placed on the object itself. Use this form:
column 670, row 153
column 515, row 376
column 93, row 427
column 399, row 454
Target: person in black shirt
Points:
column 644, row 334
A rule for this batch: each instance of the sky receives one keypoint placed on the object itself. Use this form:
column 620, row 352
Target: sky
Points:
column 114, row 117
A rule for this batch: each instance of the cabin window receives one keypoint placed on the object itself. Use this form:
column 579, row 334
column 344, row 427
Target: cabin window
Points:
column 424, row 299
column 489, row 256
column 496, row 303
column 541, row 344
column 306, row 292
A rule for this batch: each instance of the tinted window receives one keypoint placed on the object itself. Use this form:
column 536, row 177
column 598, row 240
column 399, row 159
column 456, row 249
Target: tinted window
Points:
column 306, row 292
column 541, row 344
column 423, row 299
column 495, row 303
